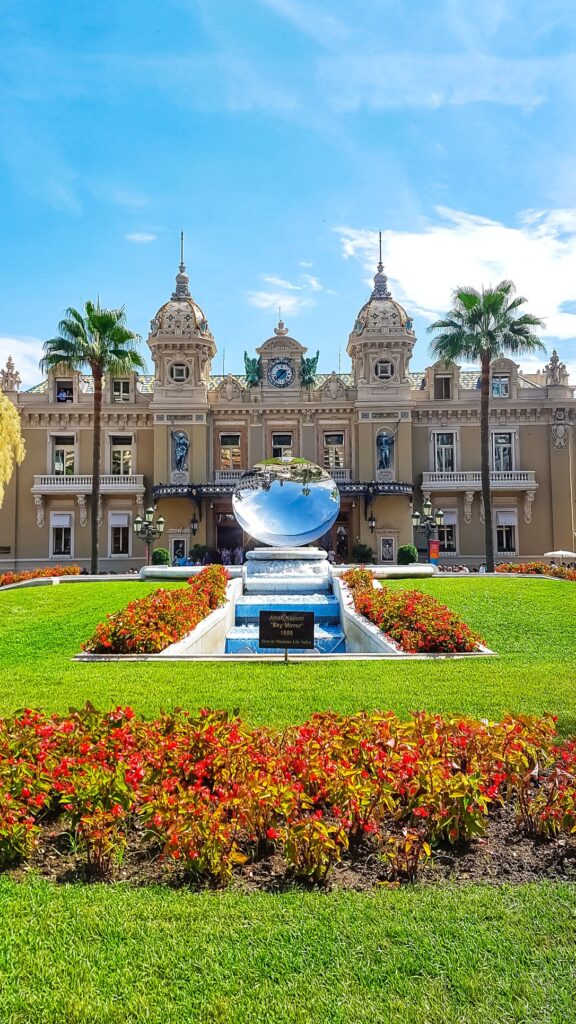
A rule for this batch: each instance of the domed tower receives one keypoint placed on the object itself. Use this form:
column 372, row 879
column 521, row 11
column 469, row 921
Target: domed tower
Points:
column 182, row 346
column 381, row 343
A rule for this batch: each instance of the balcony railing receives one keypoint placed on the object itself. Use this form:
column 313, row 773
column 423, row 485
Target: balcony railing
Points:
column 513, row 479
column 52, row 483
column 230, row 476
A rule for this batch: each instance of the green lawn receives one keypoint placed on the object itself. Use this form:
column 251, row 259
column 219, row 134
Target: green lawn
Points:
column 99, row 954
column 111, row 955
column 531, row 623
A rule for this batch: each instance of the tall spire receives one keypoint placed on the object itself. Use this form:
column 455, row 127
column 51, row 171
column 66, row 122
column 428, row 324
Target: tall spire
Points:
column 380, row 290
column 182, row 291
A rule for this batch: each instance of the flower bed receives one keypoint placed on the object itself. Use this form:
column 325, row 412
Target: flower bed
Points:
column 150, row 624
column 8, row 578
column 560, row 572
column 417, row 622
column 206, row 796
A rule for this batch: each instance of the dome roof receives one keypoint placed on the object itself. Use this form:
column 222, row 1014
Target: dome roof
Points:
column 180, row 315
column 382, row 314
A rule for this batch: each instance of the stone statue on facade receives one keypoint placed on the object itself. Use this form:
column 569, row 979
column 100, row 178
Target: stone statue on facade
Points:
column 556, row 372
column 10, row 379
column 308, row 370
column 181, row 444
column 253, row 369
column 385, row 449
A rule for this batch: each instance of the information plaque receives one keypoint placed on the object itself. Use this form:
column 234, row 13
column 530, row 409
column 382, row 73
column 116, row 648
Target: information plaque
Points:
column 287, row 630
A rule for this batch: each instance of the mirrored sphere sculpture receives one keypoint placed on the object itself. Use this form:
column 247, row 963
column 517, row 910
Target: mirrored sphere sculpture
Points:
column 286, row 502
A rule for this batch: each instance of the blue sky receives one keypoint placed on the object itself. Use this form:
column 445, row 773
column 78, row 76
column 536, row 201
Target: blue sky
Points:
column 281, row 135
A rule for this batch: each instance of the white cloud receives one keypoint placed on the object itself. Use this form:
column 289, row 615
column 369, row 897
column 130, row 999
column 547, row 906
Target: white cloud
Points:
column 26, row 353
column 538, row 254
column 279, row 282
column 283, row 293
column 141, row 237
column 305, row 263
column 287, row 302
column 313, row 283
column 388, row 80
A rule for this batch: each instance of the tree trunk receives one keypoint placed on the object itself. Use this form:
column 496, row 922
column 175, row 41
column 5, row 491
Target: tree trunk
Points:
column 485, row 460
column 96, row 446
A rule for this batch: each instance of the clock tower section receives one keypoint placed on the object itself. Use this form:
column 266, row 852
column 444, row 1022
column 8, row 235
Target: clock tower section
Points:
column 281, row 358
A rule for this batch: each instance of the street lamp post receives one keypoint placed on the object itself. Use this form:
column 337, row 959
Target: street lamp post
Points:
column 148, row 530
column 427, row 521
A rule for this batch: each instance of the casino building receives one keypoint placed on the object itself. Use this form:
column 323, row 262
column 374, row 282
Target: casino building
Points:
column 391, row 438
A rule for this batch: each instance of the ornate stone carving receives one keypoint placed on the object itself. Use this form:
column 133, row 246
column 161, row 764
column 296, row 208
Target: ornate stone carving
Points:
column 81, row 502
column 10, row 379
column 230, row 388
column 100, row 511
column 482, row 513
column 528, row 501
column 559, row 428
column 468, row 499
column 556, row 372
column 334, row 387
column 281, row 330
column 308, row 416
column 39, row 502
column 139, row 502
column 256, row 416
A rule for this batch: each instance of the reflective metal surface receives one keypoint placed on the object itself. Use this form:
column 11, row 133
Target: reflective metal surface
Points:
column 286, row 502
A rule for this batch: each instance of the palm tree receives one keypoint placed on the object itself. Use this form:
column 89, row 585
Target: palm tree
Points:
column 481, row 326
column 97, row 338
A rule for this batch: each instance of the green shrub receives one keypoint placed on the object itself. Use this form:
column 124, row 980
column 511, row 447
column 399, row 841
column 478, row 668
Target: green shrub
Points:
column 362, row 554
column 160, row 556
column 407, row 554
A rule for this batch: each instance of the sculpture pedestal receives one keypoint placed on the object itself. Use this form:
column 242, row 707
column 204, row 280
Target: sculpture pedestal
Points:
column 287, row 571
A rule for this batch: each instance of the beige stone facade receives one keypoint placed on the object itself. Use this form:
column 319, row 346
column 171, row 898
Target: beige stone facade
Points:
column 182, row 437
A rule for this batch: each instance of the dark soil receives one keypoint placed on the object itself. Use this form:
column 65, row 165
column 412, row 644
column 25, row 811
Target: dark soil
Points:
column 504, row 855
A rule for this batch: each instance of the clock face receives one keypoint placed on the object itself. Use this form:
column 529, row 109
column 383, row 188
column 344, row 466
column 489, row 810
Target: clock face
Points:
column 280, row 373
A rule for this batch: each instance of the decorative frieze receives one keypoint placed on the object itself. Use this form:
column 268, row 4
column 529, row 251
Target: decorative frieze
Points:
column 81, row 502
column 559, row 428
column 39, row 503
column 468, row 499
column 528, row 502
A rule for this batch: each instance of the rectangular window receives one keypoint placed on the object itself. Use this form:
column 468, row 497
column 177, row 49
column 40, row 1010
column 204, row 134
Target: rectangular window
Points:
column 63, row 456
column 442, row 388
column 230, row 452
column 444, row 448
column 506, row 528
column 120, row 455
column 502, row 452
column 64, row 391
column 447, row 534
column 121, row 390
column 61, row 526
column 333, row 456
column 119, row 533
column 281, row 446
column 501, row 386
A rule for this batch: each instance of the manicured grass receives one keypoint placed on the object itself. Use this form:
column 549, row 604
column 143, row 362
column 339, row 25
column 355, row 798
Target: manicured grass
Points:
column 530, row 622
column 92, row 954
column 448, row 955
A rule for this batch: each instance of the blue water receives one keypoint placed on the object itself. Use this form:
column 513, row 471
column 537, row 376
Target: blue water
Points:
column 328, row 635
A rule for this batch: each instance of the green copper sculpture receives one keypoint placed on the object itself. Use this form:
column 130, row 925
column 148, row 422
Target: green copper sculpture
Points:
column 308, row 370
column 253, row 368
